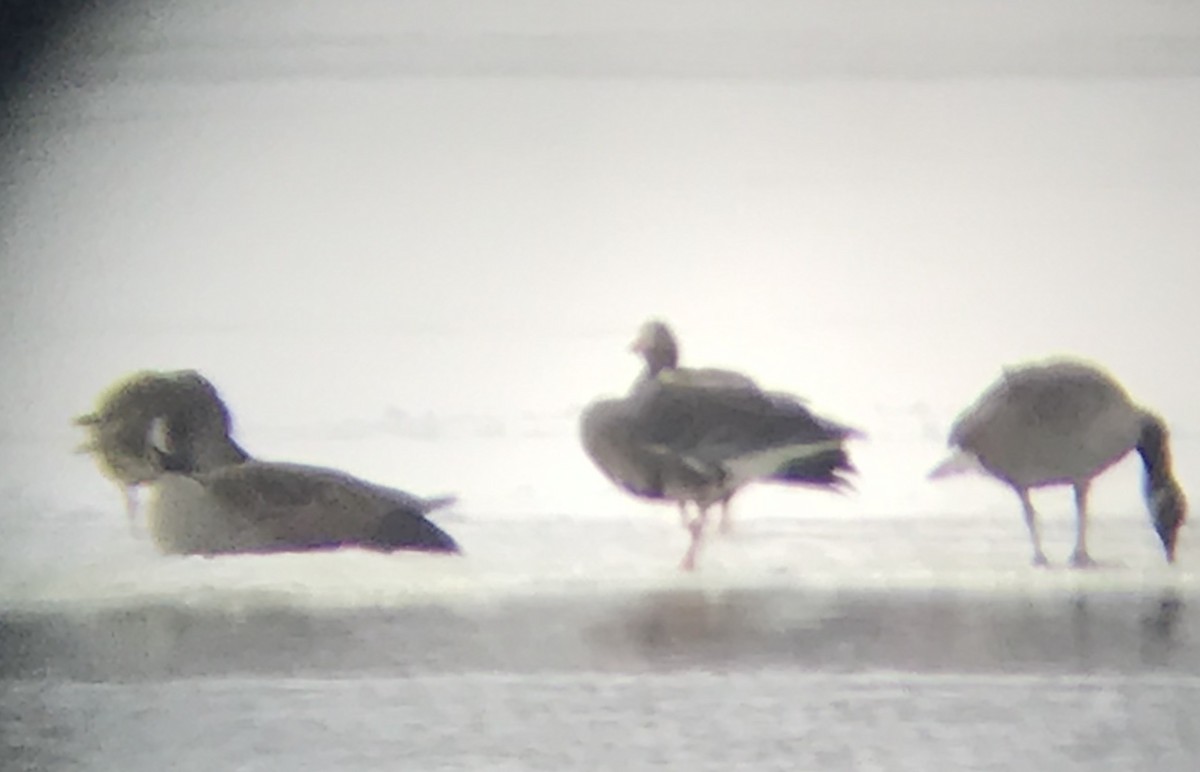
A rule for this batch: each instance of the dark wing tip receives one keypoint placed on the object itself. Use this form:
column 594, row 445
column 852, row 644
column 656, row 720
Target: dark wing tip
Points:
column 403, row 530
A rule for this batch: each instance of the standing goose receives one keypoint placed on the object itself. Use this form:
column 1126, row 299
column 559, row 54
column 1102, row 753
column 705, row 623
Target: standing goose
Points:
column 693, row 439
column 1064, row 422
column 250, row 506
column 656, row 344
column 118, row 427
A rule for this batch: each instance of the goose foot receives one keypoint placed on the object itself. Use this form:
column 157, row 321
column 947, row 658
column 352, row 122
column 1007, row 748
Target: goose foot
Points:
column 1080, row 559
column 1039, row 560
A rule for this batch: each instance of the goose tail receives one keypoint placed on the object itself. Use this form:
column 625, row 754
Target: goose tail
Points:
column 827, row 469
column 959, row 462
column 1164, row 497
column 403, row 530
column 434, row 503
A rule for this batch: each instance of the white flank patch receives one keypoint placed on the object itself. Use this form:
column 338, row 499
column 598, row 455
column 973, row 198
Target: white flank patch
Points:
column 764, row 463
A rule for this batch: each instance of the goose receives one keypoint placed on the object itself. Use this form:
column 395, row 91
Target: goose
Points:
column 1063, row 422
column 245, row 505
column 657, row 345
column 117, row 438
column 698, row 439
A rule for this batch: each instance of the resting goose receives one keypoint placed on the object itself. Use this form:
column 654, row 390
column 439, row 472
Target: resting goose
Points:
column 250, row 506
column 117, row 428
column 659, row 349
column 698, row 439
column 1063, row 422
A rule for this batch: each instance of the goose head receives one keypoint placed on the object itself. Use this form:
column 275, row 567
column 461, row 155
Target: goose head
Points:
column 655, row 343
column 1164, row 498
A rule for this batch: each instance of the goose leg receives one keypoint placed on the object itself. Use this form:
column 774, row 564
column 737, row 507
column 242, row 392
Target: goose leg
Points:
column 697, row 530
column 1039, row 557
column 1080, row 557
column 726, row 524
column 131, row 505
column 683, row 516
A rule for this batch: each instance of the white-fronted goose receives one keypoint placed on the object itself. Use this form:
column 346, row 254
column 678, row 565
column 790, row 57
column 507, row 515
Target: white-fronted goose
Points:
column 247, row 506
column 687, row 439
column 1063, row 422
column 657, row 346
column 659, row 349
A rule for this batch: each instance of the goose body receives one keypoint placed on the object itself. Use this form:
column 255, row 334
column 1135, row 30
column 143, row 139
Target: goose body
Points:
column 658, row 347
column 697, row 437
column 1064, row 422
column 700, row 444
column 258, row 507
column 207, row 496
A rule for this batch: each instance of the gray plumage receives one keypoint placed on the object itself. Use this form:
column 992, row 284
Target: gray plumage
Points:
column 208, row 496
column 1063, row 422
column 699, row 436
column 658, row 347
column 259, row 507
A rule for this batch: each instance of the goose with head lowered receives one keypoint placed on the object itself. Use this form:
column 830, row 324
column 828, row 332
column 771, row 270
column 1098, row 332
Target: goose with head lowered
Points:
column 197, row 506
column 117, row 429
column 697, row 437
column 1064, row 422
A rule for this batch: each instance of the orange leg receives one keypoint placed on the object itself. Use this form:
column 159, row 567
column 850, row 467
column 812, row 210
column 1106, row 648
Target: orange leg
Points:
column 696, row 527
column 1039, row 557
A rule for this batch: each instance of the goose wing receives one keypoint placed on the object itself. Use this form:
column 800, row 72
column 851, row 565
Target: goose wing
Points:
column 292, row 506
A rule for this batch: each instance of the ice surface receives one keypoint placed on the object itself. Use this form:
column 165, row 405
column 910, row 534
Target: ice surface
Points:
column 393, row 264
